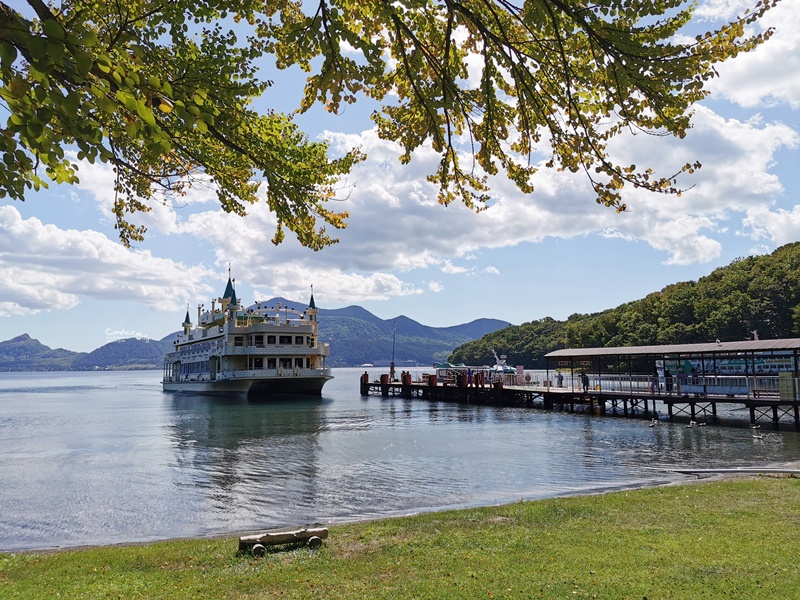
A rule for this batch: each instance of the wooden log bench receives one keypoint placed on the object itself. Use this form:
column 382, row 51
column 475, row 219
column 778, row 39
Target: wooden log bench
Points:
column 257, row 542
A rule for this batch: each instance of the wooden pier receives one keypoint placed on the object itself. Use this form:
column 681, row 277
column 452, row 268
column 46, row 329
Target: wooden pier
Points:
column 429, row 388
column 601, row 402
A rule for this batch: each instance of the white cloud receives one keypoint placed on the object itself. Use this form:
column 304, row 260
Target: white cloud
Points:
column 435, row 287
column 396, row 227
column 43, row 267
column 164, row 217
column 722, row 9
column 452, row 269
column 780, row 226
column 769, row 74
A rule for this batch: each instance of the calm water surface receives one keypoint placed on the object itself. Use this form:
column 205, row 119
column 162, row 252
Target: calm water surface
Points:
column 107, row 457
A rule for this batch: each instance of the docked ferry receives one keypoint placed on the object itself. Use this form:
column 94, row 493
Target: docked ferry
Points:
column 256, row 350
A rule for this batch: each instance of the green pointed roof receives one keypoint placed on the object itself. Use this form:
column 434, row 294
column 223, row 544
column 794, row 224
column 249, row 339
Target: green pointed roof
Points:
column 229, row 293
column 311, row 302
column 234, row 301
column 187, row 321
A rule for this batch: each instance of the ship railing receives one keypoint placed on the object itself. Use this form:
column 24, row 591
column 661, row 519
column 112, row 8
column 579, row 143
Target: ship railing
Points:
column 275, row 349
column 285, row 372
column 241, row 326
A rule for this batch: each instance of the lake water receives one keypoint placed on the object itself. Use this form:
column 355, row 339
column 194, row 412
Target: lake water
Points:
column 107, row 457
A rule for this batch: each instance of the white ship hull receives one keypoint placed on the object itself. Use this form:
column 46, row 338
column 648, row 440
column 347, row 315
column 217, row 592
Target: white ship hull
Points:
column 256, row 384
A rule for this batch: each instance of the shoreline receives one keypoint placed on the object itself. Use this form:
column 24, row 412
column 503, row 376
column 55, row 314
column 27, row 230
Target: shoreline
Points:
column 782, row 471
column 707, row 538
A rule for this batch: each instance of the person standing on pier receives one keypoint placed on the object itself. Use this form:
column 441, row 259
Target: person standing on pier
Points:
column 654, row 382
column 668, row 380
column 585, row 381
column 681, row 379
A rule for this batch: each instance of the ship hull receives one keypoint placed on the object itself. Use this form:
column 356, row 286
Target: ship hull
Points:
column 252, row 386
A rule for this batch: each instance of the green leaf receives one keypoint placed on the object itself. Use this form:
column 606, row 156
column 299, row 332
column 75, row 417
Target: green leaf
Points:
column 146, row 114
column 37, row 47
column 8, row 54
column 53, row 29
column 83, row 62
column 89, row 39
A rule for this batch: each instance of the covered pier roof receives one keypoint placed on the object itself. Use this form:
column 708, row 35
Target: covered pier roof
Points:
column 747, row 346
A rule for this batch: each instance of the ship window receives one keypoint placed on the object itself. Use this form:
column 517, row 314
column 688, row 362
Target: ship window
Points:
column 258, row 363
column 270, row 339
column 238, row 340
column 286, row 339
column 298, row 339
column 286, row 363
column 298, row 362
column 271, row 363
column 258, row 340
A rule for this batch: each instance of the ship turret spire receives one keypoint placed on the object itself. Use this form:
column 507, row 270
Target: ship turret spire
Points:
column 229, row 293
column 228, row 298
column 234, row 300
column 311, row 302
column 233, row 307
column 187, row 322
column 312, row 312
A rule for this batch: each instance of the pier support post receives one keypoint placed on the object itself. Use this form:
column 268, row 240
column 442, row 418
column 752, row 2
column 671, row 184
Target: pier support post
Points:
column 384, row 385
column 498, row 391
column 433, row 387
column 405, row 385
column 365, row 384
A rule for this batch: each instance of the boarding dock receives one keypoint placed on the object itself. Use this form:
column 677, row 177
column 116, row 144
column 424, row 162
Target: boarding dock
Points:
column 691, row 381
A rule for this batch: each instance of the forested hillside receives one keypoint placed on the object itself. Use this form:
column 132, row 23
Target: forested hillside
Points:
column 757, row 293
column 24, row 353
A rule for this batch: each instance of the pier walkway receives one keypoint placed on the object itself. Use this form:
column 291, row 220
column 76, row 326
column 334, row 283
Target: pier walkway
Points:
column 686, row 380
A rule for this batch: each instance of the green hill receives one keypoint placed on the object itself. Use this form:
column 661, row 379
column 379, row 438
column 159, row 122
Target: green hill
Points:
column 754, row 294
column 23, row 353
column 130, row 353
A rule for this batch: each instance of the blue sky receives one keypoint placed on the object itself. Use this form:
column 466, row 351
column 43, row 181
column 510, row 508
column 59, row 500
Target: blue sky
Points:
column 65, row 280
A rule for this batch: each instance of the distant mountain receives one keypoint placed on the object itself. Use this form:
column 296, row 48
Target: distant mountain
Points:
column 23, row 353
column 356, row 337
column 130, row 353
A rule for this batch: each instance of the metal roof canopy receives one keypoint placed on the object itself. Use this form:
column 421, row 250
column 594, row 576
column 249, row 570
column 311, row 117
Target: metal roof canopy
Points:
column 792, row 344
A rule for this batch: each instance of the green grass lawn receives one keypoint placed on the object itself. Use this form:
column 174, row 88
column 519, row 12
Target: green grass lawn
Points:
column 719, row 539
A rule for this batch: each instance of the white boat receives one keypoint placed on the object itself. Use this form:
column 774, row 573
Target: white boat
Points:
column 258, row 350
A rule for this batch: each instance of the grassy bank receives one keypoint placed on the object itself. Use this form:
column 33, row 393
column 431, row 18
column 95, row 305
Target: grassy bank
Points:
column 719, row 539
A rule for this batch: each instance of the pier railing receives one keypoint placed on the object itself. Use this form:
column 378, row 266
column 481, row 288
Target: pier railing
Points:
column 778, row 387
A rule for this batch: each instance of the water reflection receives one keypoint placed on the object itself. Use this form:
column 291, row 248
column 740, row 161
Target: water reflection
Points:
column 252, row 459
